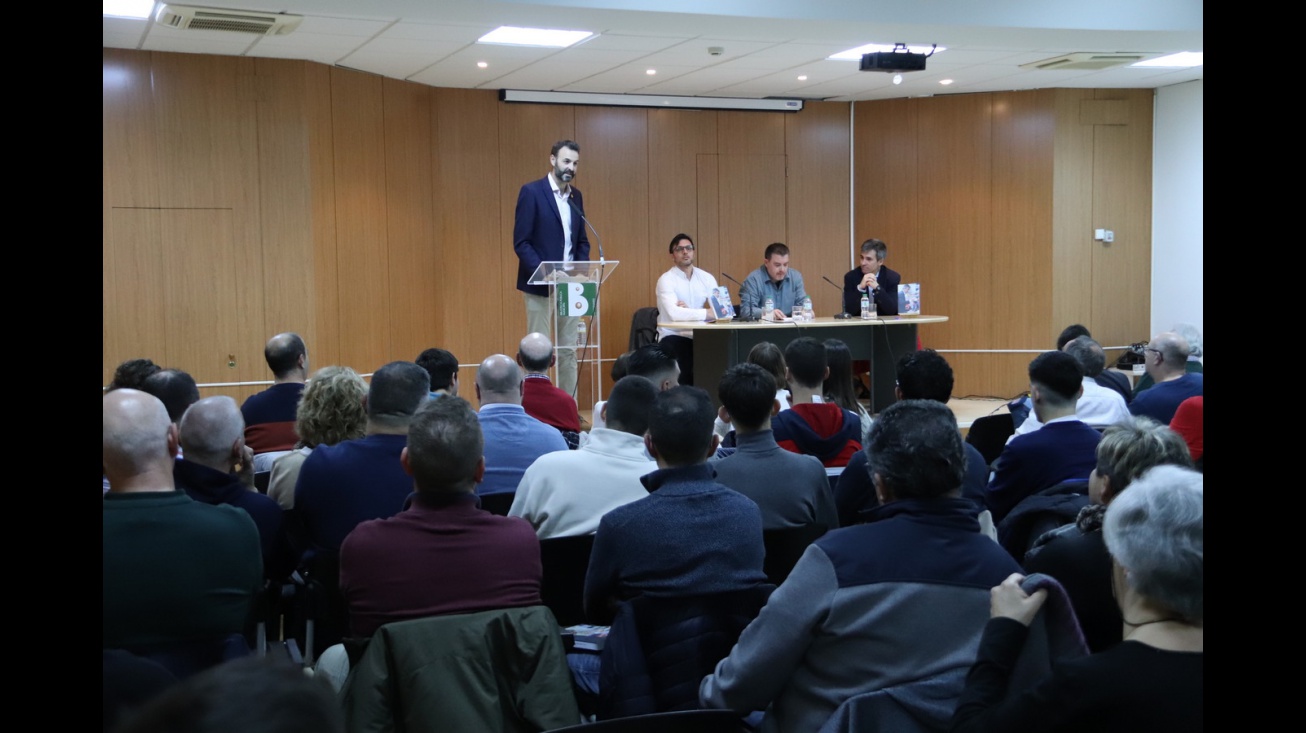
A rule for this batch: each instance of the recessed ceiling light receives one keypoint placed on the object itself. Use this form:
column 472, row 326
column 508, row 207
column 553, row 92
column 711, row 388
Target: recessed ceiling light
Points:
column 803, row 77
column 482, row 65
column 897, row 78
column 945, row 82
column 128, row 8
column 512, row 36
column 650, row 72
column 1181, row 60
column 855, row 54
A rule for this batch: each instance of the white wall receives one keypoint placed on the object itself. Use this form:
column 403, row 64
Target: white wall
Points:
column 1177, row 207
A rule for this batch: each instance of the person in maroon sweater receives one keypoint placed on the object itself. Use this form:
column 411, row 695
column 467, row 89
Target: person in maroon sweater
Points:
column 542, row 400
column 443, row 554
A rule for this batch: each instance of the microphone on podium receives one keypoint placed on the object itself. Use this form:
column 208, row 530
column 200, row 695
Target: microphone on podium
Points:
column 841, row 315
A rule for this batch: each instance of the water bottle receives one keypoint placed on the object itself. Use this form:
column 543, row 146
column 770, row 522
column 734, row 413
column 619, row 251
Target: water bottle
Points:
column 581, row 333
column 767, row 307
column 808, row 315
column 866, row 307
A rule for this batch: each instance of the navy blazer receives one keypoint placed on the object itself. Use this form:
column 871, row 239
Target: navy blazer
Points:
column 886, row 299
column 537, row 232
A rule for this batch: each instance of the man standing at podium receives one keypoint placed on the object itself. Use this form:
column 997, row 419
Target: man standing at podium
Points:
column 682, row 295
column 872, row 278
column 548, row 228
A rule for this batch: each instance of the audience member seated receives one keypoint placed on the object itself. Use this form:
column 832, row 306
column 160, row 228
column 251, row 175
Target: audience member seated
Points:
column 1063, row 449
column 443, row 368
column 1153, row 680
column 1187, row 421
column 655, row 364
column 356, row 480
column 690, row 535
column 540, row 399
column 218, row 468
column 812, row 426
column 768, row 356
column 1192, row 363
column 596, row 416
column 175, row 388
column 566, row 493
column 1075, row 554
column 1167, row 356
column 922, row 375
column 791, row 490
column 174, row 570
column 442, row 554
column 513, row 439
column 131, row 374
column 330, row 410
column 270, row 415
column 900, row 599
column 838, row 388
column 1097, row 406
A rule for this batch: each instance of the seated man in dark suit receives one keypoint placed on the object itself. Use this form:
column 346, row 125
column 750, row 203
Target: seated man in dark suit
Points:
column 443, row 554
column 270, row 415
column 872, row 278
column 1167, row 365
column 812, row 425
column 1063, row 449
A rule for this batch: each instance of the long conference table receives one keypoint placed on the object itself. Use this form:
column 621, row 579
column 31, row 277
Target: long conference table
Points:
column 882, row 341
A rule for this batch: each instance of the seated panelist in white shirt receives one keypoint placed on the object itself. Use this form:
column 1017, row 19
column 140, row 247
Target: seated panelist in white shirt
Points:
column 682, row 295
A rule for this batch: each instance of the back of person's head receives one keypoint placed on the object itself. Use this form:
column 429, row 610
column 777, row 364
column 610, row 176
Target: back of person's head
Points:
column 838, row 387
column 331, row 408
column 925, row 375
column 1131, row 448
column 747, row 391
column 915, row 448
column 441, row 365
column 629, row 404
column 1174, row 350
column 499, row 381
column 1189, row 333
column 1154, row 532
column 655, row 364
column 1070, row 333
column 620, row 367
column 250, row 695
column 535, row 352
column 282, row 353
column 680, row 426
column 445, row 446
column 136, row 427
column 777, row 249
column 1089, row 354
column 131, row 374
column 769, row 356
column 175, row 388
column 807, row 362
column 209, row 429
column 1059, row 376
column 398, row 389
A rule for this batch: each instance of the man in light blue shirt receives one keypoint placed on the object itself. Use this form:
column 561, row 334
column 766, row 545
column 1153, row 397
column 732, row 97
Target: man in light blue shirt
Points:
column 772, row 280
column 513, row 439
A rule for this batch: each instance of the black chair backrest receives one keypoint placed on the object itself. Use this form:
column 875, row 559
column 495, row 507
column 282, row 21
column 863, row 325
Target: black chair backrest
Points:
column 261, row 481
column 498, row 503
column 643, row 327
column 186, row 658
column 989, row 435
column 680, row 721
column 784, row 545
column 565, row 560
column 1039, row 513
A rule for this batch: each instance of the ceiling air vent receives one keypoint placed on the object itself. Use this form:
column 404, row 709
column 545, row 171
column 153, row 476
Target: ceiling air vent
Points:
column 1085, row 61
column 183, row 17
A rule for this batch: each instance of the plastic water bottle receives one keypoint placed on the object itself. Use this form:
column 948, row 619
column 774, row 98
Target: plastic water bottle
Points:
column 581, row 333
column 808, row 315
column 866, row 307
column 767, row 307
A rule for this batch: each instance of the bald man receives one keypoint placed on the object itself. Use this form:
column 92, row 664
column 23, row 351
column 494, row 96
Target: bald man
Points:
column 270, row 414
column 1166, row 359
column 218, row 468
column 175, row 569
column 542, row 400
column 513, row 439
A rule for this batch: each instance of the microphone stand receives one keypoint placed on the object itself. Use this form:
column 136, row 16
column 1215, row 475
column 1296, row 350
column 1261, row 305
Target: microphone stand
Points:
column 842, row 314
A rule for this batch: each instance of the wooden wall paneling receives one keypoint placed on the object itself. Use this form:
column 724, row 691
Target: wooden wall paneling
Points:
column 885, row 182
column 1072, row 225
column 751, row 201
column 323, row 267
column 480, row 267
column 285, row 203
column 1122, row 202
column 711, row 256
column 991, row 375
column 676, row 139
column 955, row 196
column 526, row 134
column 358, row 144
column 133, row 279
column 618, row 142
column 751, row 133
column 131, row 162
column 1024, row 126
column 817, row 198
column 418, row 284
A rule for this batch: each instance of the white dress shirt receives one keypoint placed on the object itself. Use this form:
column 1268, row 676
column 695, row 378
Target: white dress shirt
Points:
column 1098, row 407
column 563, row 200
column 693, row 290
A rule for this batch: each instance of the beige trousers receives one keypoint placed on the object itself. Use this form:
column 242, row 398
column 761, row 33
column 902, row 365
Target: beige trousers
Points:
column 540, row 312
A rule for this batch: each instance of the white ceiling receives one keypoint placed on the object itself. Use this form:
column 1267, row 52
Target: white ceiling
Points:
column 767, row 43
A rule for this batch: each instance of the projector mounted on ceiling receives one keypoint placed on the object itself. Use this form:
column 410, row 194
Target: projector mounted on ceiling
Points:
column 896, row 61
